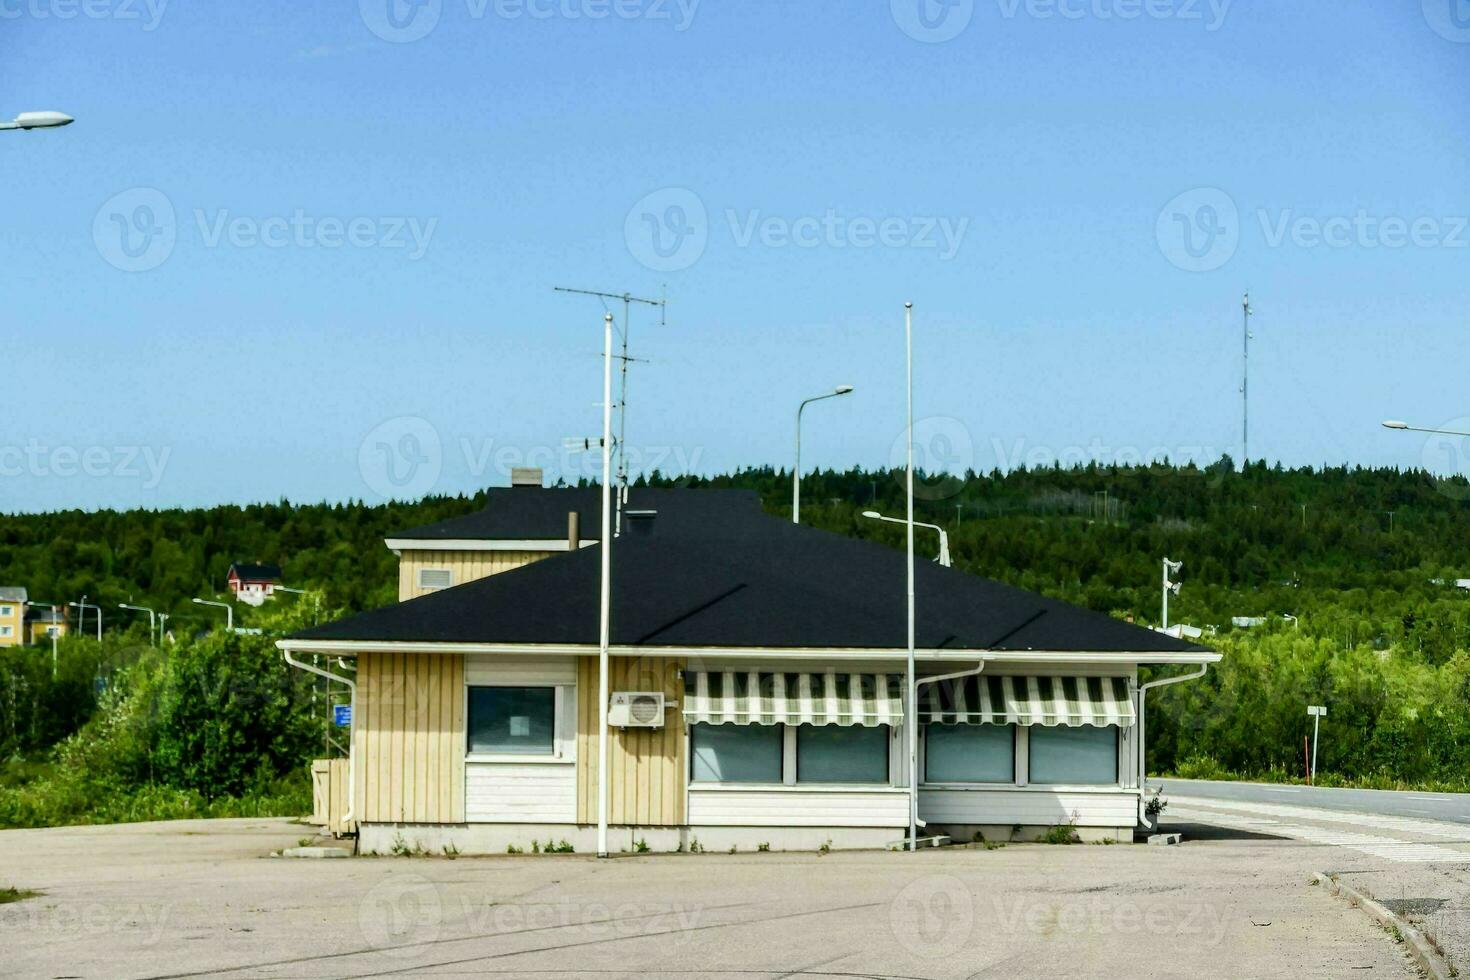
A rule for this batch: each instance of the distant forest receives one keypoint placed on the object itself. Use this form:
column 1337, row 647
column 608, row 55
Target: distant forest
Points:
column 1348, row 576
column 1358, row 555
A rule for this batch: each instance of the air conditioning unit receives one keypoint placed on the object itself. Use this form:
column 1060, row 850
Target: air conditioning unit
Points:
column 636, row 709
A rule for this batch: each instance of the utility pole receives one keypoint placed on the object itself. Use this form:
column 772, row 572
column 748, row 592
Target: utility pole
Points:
column 628, row 301
column 1170, row 567
column 1245, row 383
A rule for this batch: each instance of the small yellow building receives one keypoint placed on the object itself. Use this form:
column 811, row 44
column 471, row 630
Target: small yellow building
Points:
column 757, row 692
column 12, row 616
column 44, row 623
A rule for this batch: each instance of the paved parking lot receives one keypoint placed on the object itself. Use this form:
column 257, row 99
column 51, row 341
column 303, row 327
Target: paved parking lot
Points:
column 201, row 899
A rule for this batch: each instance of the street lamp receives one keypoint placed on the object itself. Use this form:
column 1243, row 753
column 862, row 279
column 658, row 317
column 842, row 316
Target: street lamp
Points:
column 796, row 473
column 1170, row 568
column 54, row 630
column 82, row 608
column 229, row 612
column 943, row 558
column 1406, row 427
column 38, row 120
column 152, row 618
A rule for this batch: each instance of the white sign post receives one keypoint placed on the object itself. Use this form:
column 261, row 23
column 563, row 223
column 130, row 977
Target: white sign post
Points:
column 1317, row 712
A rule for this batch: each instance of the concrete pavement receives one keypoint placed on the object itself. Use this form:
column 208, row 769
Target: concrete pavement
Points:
column 200, row 899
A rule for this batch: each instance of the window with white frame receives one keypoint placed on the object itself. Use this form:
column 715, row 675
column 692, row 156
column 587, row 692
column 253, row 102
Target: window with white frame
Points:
column 7, row 630
column 53, row 631
column 1082, row 756
column 436, row 578
column 736, row 753
column 969, row 753
column 789, row 754
column 7, row 611
column 518, row 721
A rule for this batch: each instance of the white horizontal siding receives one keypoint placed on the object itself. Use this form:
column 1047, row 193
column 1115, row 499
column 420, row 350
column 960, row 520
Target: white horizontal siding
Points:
column 487, row 669
column 520, row 793
column 1031, row 807
column 797, row 808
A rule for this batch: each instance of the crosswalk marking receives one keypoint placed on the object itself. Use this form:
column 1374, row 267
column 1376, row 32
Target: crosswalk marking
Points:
column 1229, row 814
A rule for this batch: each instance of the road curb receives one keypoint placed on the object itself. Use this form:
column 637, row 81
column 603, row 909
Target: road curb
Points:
column 1420, row 948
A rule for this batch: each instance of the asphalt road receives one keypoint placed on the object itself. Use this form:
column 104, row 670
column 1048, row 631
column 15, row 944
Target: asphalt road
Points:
column 1434, row 806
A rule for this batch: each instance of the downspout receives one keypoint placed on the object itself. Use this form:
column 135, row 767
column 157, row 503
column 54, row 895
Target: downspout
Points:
column 351, row 730
column 919, row 682
column 1143, row 690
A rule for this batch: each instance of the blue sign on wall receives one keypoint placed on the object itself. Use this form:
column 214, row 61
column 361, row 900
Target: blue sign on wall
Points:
column 342, row 715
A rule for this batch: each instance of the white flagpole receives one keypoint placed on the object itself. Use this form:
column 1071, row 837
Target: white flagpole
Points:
column 912, row 721
column 606, row 600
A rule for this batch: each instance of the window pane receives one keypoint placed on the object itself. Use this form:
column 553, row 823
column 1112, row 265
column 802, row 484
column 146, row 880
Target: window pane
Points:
column 1082, row 756
column 841, row 754
column 970, row 753
column 513, row 720
column 736, row 753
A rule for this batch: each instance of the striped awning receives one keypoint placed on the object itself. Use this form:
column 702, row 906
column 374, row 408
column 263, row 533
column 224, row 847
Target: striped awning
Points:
column 997, row 700
column 738, row 697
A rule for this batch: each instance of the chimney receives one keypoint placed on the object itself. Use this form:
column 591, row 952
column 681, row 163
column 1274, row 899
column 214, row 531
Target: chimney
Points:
column 574, row 530
column 525, row 476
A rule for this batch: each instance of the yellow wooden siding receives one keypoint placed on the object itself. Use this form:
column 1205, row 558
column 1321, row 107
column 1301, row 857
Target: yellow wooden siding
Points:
column 409, row 738
column 16, row 622
column 467, row 566
column 647, row 765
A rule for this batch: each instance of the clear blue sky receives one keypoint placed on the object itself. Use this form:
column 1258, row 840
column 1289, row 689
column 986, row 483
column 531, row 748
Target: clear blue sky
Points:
column 1064, row 314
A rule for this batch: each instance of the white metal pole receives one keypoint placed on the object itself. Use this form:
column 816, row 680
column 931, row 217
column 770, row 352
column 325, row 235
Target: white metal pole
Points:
column 1316, row 721
column 605, row 614
column 1166, row 593
column 912, row 721
column 796, row 471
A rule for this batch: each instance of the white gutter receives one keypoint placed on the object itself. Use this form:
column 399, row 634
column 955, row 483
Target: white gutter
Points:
column 1143, row 690
column 398, row 545
column 914, row 776
column 350, row 815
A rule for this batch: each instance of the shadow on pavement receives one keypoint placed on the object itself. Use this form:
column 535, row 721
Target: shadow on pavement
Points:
column 1206, row 831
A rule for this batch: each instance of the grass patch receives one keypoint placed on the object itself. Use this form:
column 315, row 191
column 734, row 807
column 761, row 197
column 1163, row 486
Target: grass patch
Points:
column 8, row 895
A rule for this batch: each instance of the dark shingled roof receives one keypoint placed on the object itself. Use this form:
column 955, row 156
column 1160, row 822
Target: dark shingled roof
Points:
column 540, row 514
column 765, row 583
column 256, row 573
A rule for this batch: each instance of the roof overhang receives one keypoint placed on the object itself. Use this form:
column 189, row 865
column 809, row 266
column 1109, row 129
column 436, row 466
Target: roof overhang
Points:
column 398, row 545
column 349, row 648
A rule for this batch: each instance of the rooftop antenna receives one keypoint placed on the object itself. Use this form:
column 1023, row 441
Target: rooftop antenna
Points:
column 1245, row 381
column 623, row 361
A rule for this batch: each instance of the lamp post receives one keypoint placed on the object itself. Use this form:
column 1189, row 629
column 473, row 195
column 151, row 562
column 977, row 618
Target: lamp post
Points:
column 152, row 618
column 1406, row 427
column 82, row 608
column 912, row 714
column 229, row 612
column 38, row 120
column 1170, row 568
column 943, row 558
column 54, row 630
column 796, row 472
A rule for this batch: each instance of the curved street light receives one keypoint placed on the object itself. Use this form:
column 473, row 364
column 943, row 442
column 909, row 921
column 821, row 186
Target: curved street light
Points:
column 38, row 120
column 796, row 472
column 1398, row 426
column 229, row 611
column 943, row 558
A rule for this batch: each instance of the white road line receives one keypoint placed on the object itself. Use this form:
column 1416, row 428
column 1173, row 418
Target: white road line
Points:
column 1407, row 825
column 1432, row 799
column 1388, row 848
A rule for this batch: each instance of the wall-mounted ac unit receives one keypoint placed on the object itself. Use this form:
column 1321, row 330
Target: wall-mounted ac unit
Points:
column 636, row 709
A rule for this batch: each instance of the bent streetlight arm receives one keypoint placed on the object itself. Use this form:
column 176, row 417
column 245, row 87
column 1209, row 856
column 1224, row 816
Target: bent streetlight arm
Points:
column 1406, row 427
column 796, row 470
column 1143, row 690
column 349, row 816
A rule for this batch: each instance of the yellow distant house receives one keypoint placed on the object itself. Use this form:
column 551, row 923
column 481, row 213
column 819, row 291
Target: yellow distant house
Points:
column 12, row 616
column 43, row 624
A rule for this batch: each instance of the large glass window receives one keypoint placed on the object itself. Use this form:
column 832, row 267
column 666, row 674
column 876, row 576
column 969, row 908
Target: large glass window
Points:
column 513, row 720
column 841, row 754
column 736, row 753
column 970, row 753
column 1085, row 756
